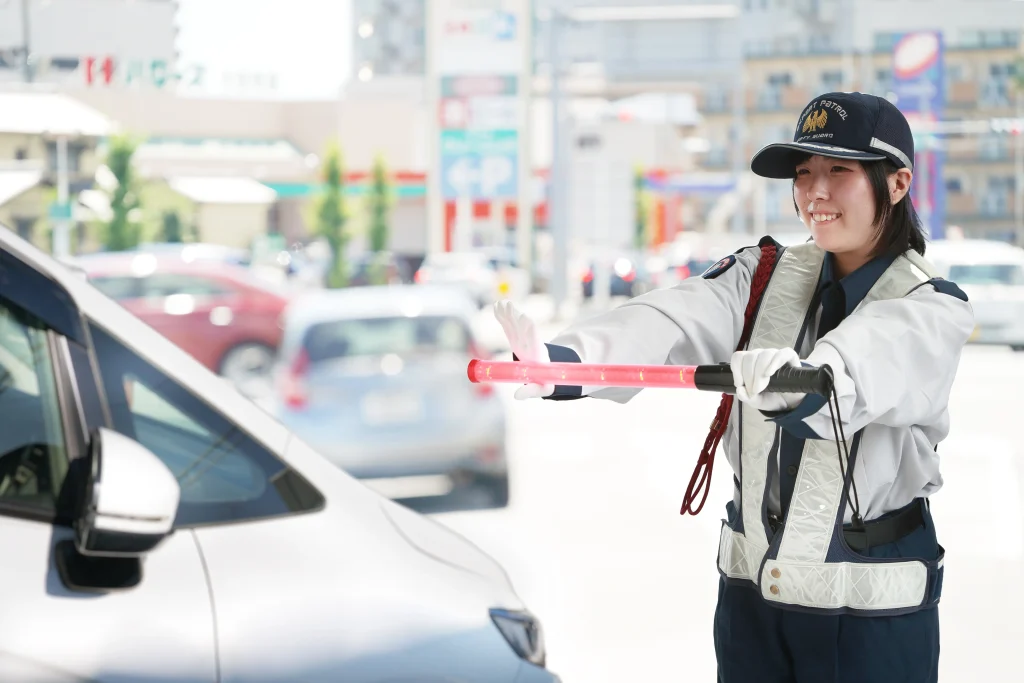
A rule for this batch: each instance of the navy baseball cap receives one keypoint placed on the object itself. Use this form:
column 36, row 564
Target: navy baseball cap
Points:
column 841, row 125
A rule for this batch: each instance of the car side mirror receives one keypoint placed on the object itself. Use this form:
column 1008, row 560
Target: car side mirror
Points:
column 127, row 500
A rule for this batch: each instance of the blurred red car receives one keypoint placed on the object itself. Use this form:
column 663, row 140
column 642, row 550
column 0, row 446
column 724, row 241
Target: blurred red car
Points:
column 225, row 317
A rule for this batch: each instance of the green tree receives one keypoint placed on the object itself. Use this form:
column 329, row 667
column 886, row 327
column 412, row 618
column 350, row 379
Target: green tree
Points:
column 378, row 205
column 171, row 228
column 639, row 209
column 122, row 231
column 331, row 218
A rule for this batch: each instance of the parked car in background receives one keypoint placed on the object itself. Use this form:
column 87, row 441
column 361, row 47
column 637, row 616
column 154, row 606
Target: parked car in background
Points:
column 468, row 270
column 158, row 526
column 991, row 274
column 221, row 314
column 513, row 279
column 628, row 275
column 395, row 270
column 375, row 379
column 197, row 251
column 692, row 253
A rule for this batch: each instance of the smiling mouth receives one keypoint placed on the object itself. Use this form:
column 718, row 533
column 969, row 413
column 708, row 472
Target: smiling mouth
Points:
column 824, row 218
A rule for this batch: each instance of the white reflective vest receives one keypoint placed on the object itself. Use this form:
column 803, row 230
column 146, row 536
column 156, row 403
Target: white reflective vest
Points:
column 807, row 564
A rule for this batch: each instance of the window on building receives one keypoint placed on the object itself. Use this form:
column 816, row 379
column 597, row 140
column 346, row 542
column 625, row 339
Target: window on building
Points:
column 969, row 38
column 991, row 147
column 885, row 42
column 64, row 63
column 819, row 42
column 25, row 227
column 831, row 80
column 995, row 92
column 74, row 156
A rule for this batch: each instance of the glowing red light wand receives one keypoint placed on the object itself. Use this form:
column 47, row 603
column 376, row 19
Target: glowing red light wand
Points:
column 704, row 377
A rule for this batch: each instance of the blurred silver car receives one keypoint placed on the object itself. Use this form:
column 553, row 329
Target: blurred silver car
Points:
column 375, row 379
column 992, row 275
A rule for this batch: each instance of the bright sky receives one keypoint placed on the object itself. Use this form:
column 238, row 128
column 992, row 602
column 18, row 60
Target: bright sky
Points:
column 304, row 42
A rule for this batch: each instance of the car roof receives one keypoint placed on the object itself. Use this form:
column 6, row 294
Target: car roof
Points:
column 973, row 251
column 127, row 263
column 141, row 263
column 378, row 302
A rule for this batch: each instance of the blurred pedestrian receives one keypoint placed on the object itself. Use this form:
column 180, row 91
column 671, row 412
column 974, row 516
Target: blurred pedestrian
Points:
column 830, row 568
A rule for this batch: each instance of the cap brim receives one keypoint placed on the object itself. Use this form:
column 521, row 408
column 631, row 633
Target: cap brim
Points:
column 779, row 160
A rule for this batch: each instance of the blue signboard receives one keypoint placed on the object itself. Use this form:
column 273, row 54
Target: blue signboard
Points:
column 479, row 164
column 918, row 82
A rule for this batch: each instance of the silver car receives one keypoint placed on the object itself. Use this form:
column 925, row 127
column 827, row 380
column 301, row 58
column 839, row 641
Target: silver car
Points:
column 375, row 379
column 158, row 526
column 992, row 275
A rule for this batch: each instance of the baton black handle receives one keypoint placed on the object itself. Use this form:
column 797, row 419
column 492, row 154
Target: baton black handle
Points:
column 787, row 380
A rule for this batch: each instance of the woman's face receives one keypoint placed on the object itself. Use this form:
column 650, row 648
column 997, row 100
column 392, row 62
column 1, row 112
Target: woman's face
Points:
column 836, row 203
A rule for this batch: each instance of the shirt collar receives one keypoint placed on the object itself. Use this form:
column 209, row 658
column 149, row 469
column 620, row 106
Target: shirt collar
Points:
column 857, row 284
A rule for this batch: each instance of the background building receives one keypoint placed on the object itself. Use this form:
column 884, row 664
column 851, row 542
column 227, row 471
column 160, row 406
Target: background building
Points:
column 90, row 43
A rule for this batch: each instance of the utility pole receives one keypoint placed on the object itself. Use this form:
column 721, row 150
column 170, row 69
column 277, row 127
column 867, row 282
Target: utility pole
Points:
column 26, row 47
column 1018, row 148
column 62, row 227
column 557, row 205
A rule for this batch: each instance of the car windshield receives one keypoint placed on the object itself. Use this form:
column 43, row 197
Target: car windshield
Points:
column 378, row 336
column 987, row 274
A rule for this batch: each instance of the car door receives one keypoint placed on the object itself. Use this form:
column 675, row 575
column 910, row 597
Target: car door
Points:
column 235, row 493
column 161, row 629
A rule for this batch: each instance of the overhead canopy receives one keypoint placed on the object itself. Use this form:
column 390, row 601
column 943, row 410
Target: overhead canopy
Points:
column 223, row 190
column 34, row 113
column 14, row 183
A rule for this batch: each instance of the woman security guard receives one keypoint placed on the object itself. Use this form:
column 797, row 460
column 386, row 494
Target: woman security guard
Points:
column 830, row 568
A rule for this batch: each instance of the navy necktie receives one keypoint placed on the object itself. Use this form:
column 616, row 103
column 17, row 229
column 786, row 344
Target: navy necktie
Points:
column 833, row 310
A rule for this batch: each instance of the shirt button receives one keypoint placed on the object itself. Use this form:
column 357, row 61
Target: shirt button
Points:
column 774, row 589
column 791, row 470
column 776, row 573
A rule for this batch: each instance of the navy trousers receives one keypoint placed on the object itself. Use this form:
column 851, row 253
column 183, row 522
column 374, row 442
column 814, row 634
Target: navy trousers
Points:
column 758, row 643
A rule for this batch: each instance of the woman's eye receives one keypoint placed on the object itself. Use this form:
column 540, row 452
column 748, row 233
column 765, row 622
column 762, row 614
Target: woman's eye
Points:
column 802, row 171
column 839, row 169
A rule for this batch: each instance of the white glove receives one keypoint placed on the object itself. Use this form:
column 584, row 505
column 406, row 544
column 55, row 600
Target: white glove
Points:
column 526, row 344
column 751, row 371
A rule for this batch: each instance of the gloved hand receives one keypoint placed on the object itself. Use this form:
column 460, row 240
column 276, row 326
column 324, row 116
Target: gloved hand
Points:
column 526, row 344
column 751, row 371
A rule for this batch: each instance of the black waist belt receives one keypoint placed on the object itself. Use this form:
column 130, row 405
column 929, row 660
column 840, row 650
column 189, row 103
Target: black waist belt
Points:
column 887, row 529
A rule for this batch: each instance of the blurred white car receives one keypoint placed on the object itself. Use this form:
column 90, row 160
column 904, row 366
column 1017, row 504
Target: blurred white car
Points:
column 691, row 253
column 992, row 275
column 486, row 275
column 159, row 526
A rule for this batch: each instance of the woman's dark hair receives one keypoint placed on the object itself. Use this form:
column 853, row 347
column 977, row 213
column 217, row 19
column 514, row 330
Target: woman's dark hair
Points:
column 897, row 227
